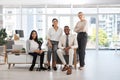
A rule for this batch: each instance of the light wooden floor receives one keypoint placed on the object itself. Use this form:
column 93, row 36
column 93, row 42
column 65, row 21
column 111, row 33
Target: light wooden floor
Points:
column 104, row 65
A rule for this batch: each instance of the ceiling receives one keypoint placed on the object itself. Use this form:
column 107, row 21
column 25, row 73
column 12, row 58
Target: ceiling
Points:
column 78, row 2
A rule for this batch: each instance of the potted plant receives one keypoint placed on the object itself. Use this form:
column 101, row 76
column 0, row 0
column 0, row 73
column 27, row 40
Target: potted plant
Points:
column 3, row 35
column 40, row 41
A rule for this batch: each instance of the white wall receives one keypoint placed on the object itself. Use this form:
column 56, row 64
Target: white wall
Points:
column 31, row 2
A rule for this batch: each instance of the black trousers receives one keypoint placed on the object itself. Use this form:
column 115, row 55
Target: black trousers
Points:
column 35, row 57
column 82, row 40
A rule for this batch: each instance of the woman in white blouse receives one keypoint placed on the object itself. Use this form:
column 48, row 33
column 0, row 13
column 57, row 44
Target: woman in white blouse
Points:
column 81, row 30
column 34, row 49
column 54, row 35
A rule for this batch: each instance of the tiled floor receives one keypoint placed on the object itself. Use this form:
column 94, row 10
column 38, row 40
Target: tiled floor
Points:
column 104, row 65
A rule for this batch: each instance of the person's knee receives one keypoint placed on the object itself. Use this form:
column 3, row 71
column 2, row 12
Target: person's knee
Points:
column 71, row 51
column 50, row 49
column 59, row 51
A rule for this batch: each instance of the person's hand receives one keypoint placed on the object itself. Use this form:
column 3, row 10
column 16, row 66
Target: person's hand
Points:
column 41, row 51
column 37, row 51
column 67, row 50
column 49, row 44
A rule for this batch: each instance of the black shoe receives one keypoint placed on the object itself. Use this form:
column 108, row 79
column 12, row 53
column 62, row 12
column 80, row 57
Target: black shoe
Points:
column 30, row 69
column 55, row 68
column 49, row 68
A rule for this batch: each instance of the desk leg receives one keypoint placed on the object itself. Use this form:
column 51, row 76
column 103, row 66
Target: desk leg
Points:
column 9, row 66
column 13, row 65
column 5, row 58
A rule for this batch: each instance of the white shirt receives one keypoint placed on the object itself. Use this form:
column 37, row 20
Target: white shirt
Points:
column 54, row 35
column 81, row 26
column 72, row 42
column 32, row 45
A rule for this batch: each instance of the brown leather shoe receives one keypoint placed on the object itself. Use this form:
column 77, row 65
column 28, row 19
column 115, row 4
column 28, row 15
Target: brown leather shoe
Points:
column 65, row 68
column 69, row 71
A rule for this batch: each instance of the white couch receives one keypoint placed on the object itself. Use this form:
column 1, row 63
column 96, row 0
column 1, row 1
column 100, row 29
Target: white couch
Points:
column 21, row 58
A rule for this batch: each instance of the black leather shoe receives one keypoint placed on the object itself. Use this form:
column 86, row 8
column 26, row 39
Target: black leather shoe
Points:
column 55, row 68
column 30, row 69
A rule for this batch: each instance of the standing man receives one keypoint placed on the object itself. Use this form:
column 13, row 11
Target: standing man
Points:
column 67, row 44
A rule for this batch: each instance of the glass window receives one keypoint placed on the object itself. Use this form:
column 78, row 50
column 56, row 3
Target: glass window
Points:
column 33, row 10
column 11, row 10
column 34, row 22
column 84, row 10
column 109, row 33
column 11, row 23
column 1, row 21
column 58, row 10
column 41, row 26
column 64, row 21
column 109, row 10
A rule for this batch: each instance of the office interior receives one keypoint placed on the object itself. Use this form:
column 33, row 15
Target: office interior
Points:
column 20, row 17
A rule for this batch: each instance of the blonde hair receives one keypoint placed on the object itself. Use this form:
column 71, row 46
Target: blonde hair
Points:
column 82, row 14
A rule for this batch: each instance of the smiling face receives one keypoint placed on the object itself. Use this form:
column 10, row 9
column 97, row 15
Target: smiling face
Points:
column 66, row 30
column 55, row 22
column 34, row 35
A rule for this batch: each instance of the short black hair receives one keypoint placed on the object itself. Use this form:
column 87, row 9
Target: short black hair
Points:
column 66, row 26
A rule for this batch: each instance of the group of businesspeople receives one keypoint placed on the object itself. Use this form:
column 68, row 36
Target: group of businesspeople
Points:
column 60, row 45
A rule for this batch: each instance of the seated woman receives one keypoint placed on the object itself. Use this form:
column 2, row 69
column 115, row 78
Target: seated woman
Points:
column 34, row 49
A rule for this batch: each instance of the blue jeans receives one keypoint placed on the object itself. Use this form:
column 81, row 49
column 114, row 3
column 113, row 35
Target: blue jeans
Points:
column 53, row 51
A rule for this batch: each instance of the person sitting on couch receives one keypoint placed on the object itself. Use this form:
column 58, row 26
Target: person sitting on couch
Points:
column 34, row 49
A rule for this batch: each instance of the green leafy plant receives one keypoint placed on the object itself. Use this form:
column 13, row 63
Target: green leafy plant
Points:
column 40, row 40
column 103, row 39
column 3, row 35
column 23, row 50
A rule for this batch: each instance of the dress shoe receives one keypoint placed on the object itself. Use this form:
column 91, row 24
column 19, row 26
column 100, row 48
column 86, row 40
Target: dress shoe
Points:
column 69, row 71
column 55, row 68
column 65, row 68
column 31, row 69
